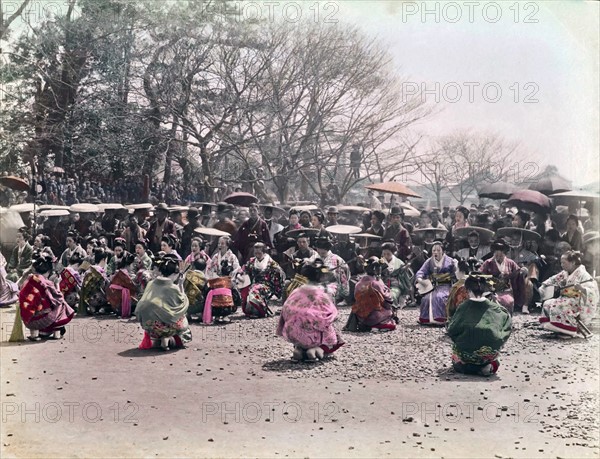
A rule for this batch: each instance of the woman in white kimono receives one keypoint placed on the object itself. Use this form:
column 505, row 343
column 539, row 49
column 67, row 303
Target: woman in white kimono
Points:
column 223, row 253
column 340, row 289
column 396, row 276
column 576, row 294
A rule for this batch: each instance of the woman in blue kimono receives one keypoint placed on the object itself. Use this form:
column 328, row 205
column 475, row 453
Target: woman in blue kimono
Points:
column 438, row 272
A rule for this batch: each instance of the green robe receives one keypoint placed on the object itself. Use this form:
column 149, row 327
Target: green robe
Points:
column 479, row 329
column 162, row 310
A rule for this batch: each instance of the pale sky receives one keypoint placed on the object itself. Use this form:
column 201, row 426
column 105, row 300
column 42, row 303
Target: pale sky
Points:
column 557, row 56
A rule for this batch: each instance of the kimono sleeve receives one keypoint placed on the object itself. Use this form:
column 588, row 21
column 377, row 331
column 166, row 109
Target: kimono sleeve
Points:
column 505, row 326
column 276, row 279
column 424, row 271
column 456, row 324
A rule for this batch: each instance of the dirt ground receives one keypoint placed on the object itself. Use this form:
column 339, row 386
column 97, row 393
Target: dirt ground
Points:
column 234, row 393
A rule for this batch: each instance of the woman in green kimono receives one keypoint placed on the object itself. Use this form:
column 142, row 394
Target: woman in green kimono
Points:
column 163, row 307
column 479, row 329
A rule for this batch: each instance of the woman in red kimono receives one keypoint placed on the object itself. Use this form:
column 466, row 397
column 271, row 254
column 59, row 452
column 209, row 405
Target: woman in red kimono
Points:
column 507, row 275
column 43, row 307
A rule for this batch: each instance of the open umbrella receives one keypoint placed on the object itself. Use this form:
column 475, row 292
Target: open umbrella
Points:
column 210, row 231
column 551, row 185
column 241, row 199
column 142, row 206
column 485, row 235
column 497, row 190
column 179, row 208
column 84, row 208
column 343, row 229
column 350, row 209
column 409, row 211
column 26, row 207
column 110, row 206
column 393, row 188
column 576, row 195
column 14, row 183
column 530, row 200
column 526, row 235
column 54, row 213
column 277, row 211
column 308, row 207
column 10, row 222
column 52, row 207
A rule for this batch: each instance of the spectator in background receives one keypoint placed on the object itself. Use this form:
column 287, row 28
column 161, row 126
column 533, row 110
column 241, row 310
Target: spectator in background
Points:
column 573, row 236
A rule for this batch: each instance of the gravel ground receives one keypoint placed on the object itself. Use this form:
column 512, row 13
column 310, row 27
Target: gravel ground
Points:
column 367, row 400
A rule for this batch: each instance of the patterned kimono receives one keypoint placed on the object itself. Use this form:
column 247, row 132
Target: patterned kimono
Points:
column 307, row 319
column 9, row 292
column 162, row 311
column 523, row 289
column 433, row 304
column 563, row 311
column 214, row 270
column 141, row 272
column 509, row 282
column 458, row 294
column 266, row 280
column 121, row 293
column 338, row 267
column 43, row 306
column 478, row 329
column 202, row 255
column 70, row 284
column 63, row 262
column 93, row 289
column 397, row 279
column 373, row 304
column 193, row 286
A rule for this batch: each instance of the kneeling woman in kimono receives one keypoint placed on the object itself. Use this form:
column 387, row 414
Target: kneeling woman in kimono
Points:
column 509, row 278
column 70, row 280
column 307, row 317
column 396, row 275
column 438, row 272
column 93, row 289
column 266, row 279
column 576, row 296
column 373, row 304
column 43, row 307
column 163, row 307
column 9, row 291
column 479, row 329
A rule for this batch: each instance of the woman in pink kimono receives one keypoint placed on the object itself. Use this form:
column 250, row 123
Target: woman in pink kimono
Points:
column 197, row 252
column 576, row 296
column 307, row 318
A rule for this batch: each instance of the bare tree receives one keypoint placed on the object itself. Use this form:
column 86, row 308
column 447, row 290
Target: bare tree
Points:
column 325, row 89
column 462, row 163
column 5, row 22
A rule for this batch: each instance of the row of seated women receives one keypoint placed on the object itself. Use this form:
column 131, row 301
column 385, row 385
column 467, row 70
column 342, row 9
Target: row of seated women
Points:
column 576, row 291
column 45, row 309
